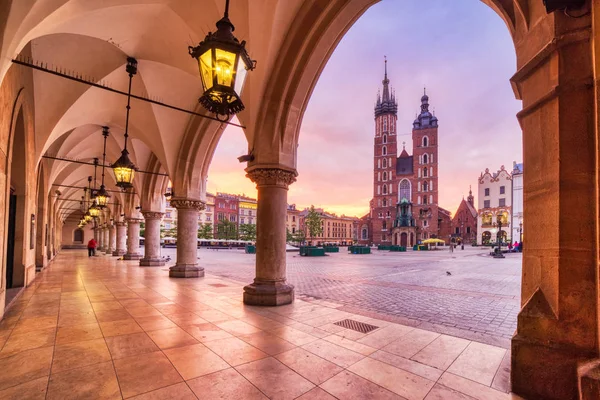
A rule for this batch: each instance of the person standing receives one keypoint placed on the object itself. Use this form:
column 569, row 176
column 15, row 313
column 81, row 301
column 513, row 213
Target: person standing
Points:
column 91, row 247
column 451, row 248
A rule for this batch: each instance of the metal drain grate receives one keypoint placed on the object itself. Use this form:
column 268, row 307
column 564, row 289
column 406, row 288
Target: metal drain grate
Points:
column 356, row 326
column 217, row 285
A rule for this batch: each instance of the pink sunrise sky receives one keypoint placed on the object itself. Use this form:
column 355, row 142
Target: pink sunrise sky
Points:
column 459, row 49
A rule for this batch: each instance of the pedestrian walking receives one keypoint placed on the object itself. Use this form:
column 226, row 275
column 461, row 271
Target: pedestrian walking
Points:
column 451, row 248
column 91, row 247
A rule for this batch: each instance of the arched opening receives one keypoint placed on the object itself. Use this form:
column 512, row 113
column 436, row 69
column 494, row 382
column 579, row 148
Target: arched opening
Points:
column 425, row 144
column 404, row 239
column 78, row 236
column 40, row 246
column 486, row 237
column 16, row 233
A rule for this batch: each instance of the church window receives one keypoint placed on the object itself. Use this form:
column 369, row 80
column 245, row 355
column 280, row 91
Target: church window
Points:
column 384, row 226
column 425, row 141
column 389, row 214
column 384, row 139
column 385, row 125
column 425, row 186
column 404, row 190
column 385, row 164
column 424, row 199
column 384, row 151
column 384, row 176
column 468, row 229
column 385, row 189
column 425, row 172
column 425, row 223
column 425, row 158
column 379, row 163
column 365, row 234
column 384, row 202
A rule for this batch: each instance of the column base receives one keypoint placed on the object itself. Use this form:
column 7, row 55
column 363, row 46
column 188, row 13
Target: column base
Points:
column 132, row 256
column 268, row 293
column 186, row 271
column 152, row 262
column 545, row 371
column 119, row 253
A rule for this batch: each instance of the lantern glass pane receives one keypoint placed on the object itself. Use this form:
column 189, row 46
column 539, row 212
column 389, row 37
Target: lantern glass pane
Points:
column 205, row 62
column 102, row 200
column 224, row 64
column 240, row 77
column 124, row 174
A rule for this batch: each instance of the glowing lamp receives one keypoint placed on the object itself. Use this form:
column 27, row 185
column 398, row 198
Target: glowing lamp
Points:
column 102, row 197
column 124, row 171
column 223, row 62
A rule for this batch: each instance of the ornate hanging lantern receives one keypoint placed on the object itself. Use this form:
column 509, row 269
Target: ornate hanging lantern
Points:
column 223, row 62
column 123, row 168
column 102, row 196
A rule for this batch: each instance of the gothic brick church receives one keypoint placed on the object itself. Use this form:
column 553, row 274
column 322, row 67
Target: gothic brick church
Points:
column 404, row 209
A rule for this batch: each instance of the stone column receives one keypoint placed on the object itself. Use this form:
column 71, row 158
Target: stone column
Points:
column 187, row 239
column 270, row 287
column 100, row 239
column 112, row 239
column 557, row 327
column 105, row 240
column 133, row 239
column 152, row 256
column 121, row 245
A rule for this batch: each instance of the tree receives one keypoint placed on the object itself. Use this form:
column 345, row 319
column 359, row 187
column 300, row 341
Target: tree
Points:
column 314, row 223
column 226, row 230
column 142, row 229
column 205, row 231
column 288, row 235
column 248, row 232
column 299, row 237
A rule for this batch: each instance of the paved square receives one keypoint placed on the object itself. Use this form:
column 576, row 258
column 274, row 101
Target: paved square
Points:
column 479, row 299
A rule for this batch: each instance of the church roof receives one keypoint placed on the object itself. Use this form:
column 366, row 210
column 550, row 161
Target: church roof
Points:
column 404, row 154
column 425, row 119
column 404, row 164
column 386, row 102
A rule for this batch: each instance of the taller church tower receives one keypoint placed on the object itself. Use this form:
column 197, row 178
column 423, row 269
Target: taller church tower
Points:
column 383, row 211
column 425, row 167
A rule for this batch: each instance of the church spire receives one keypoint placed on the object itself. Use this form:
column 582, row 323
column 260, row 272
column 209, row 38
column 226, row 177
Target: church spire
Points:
column 471, row 199
column 386, row 102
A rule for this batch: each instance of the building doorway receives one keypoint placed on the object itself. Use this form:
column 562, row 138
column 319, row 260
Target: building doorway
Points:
column 404, row 239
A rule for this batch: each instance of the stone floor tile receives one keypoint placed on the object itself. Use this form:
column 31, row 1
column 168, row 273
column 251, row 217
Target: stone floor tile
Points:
column 130, row 345
column 440, row 392
column 261, row 322
column 237, row 327
column 122, row 327
column 134, row 303
column 28, row 340
column 294, row 336
column 77, row 333
column 268, row 343
column 79, row 354
column 425, row 371
column 403, row 383
column 275, row 379
column 32, row 312
column 144, row 373
column 206, row 332
column 180, row 391
column 502, row 379
column 235, row 351
column 34, row 324
column 187, row 318
column 312, row 367
column 195, row 360
column 92, row 382
column 155, row 323
column 311, row 330
column 478, row 362
column 147, row 311
column 225, row 385
column 470, row 388
column 107, row 305
column 347, row 385
column 170, row 308
column 112, row 315
column 350, row 344
column 172, row 337
column 214, row 316
column 76, row 318
column 316, row 394
column 32, row 390
column 442, row 352
column 384, row 336
column 25, row 366
column 410, row 344
column 334, row 353
column 8, row 323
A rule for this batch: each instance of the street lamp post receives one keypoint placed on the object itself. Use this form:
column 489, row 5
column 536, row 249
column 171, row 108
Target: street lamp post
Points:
column 521, row 231
column 498, row 253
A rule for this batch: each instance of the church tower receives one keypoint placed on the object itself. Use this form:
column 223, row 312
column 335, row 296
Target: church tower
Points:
column 425, row 167
column 383, row 210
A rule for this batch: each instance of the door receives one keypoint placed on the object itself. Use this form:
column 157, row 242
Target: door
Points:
column 10, row 251
column 404, row 239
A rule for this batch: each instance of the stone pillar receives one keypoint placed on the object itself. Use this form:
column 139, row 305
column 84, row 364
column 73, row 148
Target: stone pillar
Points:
column 270, row 287
column 112, row 238
column 557, row 327
column 133, row 239
column 105, row 240
column 100, row 239
column 187, row 239
column 152, row 256
column 121, row 245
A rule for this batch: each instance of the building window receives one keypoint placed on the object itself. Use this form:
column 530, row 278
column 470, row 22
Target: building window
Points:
column 384, row 189
column 384, row 139
column 425, row 158
column 425, row 186
column 424, row 199
column 242, row 221
column 293, row 218
column 487, row 192
column 208, row 218
column 167, row 226
column 168, row 214
column 425, row 141
column 385, row 125
column 384, row 202
column 384, row 151
column 468, row 229
column 425, row 223
column 404, row 190
column 384, row 226
column 486, row 204
column 384, row 176
column 385, row 163
column 501, row 202
column 502, row 189
column 365, row 234
column 425, row 172
column 232, row 218
column 457, row 230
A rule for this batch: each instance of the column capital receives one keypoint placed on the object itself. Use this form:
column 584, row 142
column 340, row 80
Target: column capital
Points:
column 271, row 175
column 152, row 214
column 120, row 223
column 180, row 203
column 134, row 220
